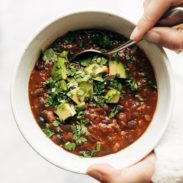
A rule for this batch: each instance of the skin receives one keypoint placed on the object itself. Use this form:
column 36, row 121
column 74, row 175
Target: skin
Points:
column 138, row 173
column 171, row 38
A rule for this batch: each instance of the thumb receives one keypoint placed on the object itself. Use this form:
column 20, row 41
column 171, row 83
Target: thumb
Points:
column 104, row 173
column 171, row 38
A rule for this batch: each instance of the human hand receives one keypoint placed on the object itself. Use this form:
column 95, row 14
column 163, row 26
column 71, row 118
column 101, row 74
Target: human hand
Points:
column 138, row 173
column 171, row 38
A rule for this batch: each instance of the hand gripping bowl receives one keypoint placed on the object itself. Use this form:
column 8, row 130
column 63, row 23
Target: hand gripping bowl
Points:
column 30, row 129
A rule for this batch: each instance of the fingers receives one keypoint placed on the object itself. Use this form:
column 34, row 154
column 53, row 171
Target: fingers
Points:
column 138, row 173
column 146, row 2
column 103, row 173
column 154, row 9
column 171, row 38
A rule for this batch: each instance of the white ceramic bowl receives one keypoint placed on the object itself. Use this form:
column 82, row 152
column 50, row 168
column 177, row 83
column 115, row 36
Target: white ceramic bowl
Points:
column 30, row 129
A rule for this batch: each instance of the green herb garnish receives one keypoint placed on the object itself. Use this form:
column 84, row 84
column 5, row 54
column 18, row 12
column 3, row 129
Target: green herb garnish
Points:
column 49, row 132
column 56, row 123
column 99, row 88
column 78, row 131
column 132, row 84
column 151, row 84
column 87, row 154
column 114, row 112
column 70, row 146
column 49, row 55
column 116, row 84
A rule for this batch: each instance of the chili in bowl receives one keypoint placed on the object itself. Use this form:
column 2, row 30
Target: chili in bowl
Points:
column 93, row 109
column 77, row 104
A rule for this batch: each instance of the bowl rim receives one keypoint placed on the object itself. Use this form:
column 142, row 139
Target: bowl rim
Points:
column 63, row 16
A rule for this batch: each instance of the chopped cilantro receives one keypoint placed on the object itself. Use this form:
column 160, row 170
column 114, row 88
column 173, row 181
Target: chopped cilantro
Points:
column 114, row 112
column 80, row 140
column 101, row 61
column 49, row 132
column 99, row 101
column 49, row 101
column 49, row 83
column 79, row 130
column 98, row 147
column 99, row 88
column 101, row 40
column 54, row 98
column 70, row 146
column 86, row 121
column 116, row 84
column 72, row 68
column 151, row 84
column 87, row 154
column 49, row 54
column 105, row 42
column 56, row 123
column 132, row 84
column 80, row 117
column 80, row 114
column 129, row 57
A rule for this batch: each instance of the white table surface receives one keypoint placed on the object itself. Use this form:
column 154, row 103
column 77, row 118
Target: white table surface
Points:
column 19, row 20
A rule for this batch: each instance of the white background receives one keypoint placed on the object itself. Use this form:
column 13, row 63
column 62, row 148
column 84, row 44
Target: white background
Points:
column 19, row 21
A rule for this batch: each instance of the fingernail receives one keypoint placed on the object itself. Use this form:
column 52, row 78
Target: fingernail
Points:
column 95, row 175
column 134, row 34
column 152, row 36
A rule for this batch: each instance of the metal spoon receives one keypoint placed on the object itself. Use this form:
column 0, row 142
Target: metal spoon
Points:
column 170, row 18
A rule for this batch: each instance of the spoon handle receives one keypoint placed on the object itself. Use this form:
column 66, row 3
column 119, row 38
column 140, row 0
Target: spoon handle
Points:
column 170, row 18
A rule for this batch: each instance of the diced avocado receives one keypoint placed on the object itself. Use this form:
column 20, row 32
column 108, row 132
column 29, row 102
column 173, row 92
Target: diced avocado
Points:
column 65, row 111
column 98, row 78
column 59, row 69
column 71, row 83
column 112, row 96
column 96, row 69
column 86, row 78
column 87, row 88
column 101, row 60
column 64, row 54
column 81, row 105
column 62, row 86
column 117, row 68
column 77, row 95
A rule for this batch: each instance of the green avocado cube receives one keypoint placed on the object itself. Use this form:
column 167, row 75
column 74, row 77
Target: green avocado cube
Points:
column 96, row 69
column 65, row 111
column 112, row 96
column 59, row 70
column 77, row 95
column 87, row 87
column 117, row 68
